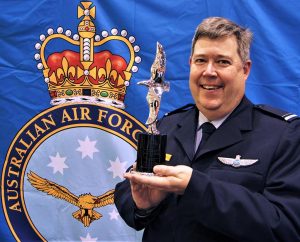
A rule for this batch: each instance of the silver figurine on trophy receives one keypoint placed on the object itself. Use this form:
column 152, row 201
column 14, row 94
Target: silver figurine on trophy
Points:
column 152, row 145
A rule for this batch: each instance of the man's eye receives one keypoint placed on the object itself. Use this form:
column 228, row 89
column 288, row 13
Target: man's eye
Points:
column 199, row 60
column 224, row 62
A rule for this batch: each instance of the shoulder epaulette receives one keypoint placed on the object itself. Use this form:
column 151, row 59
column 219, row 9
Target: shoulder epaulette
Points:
column 181, row 109
column 289, row 117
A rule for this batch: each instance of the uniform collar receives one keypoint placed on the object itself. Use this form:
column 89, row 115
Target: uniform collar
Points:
column 217, row 123
column 228, row 133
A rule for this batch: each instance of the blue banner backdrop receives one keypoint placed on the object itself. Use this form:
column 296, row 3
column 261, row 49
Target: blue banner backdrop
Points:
column 274, row 78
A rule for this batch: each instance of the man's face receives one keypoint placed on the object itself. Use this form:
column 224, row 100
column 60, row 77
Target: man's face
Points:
column 217, row 76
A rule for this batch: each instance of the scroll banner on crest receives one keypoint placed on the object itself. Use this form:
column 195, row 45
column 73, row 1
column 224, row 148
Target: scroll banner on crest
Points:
column 70, row 106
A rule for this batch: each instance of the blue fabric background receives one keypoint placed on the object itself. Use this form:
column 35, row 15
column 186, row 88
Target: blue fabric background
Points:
column 274, row 78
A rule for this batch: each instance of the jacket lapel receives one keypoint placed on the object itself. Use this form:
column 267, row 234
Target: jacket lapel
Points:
column 186, row 129
column 230, row 132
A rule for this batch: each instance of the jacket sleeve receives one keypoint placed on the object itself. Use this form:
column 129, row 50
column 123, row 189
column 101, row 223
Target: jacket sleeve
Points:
column 231, row 209
column 124, row 202
column 134, row 217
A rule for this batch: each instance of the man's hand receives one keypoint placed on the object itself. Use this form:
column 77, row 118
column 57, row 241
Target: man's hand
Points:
column 149, row 191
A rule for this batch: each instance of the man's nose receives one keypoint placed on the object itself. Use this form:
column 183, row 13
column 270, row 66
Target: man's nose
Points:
column 210, row 70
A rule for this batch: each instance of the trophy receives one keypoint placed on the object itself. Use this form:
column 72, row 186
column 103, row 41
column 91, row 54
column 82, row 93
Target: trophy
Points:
column 152, row 145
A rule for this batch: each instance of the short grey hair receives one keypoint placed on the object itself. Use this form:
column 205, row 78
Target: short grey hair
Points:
column 217, row 27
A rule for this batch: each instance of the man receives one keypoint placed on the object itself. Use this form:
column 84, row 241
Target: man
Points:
column 243, row 183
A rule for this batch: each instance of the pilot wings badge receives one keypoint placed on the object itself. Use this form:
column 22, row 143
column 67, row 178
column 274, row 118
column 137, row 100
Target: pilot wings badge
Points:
column 237, row 161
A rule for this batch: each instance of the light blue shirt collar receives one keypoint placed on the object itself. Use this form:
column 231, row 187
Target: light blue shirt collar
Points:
column 202, row 119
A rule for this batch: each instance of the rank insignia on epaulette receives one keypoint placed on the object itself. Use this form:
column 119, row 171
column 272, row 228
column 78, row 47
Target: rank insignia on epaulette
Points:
column 237, row 161
column 289, row 117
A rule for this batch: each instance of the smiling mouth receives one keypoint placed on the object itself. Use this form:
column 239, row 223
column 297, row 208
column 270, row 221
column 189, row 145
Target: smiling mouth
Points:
column 210, row 87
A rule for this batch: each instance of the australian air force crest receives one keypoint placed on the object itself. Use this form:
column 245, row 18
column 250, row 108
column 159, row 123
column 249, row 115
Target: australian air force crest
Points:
column 61, row 168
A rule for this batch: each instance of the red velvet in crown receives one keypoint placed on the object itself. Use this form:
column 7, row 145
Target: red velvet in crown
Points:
column 118, row 64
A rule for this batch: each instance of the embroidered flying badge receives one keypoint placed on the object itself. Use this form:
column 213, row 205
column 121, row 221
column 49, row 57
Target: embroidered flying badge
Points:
column 237, row 161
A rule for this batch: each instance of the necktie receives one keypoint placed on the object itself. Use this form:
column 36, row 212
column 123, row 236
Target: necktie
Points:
column 207, row 129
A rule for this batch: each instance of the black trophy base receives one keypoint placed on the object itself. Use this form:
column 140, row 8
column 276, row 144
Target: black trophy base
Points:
column 151, row 152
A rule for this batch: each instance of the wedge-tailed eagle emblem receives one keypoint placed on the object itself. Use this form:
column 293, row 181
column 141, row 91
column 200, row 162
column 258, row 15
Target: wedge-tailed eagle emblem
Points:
column 86, row 202
column 237, row 161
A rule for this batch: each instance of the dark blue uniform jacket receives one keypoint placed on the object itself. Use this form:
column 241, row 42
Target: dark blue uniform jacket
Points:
column 258, row 202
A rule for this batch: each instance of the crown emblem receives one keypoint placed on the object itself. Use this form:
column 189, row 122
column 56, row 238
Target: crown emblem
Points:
column 86, row 71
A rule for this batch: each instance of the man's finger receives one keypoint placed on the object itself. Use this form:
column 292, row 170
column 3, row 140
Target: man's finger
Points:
column 163, row 170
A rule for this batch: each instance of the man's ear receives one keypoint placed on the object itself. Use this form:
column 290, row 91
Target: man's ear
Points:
column 247, row 67
column 190, row 60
